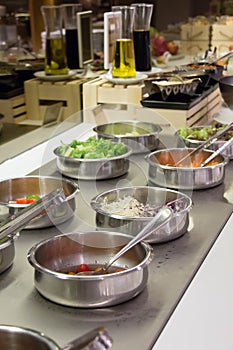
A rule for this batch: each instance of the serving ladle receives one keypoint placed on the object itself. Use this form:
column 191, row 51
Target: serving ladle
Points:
column 162, row 216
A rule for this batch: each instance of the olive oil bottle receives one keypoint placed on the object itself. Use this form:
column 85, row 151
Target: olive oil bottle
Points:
column 55, row 51
column 55, row 61
column 123, row 63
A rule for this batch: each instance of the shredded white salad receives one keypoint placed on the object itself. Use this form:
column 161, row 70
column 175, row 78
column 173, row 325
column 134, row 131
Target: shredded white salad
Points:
column 127, row 206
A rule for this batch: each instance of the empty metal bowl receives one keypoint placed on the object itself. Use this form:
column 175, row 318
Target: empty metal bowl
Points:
column 53, row 259
column 21, row 187
column 93, row 169
column 139, row 136
column 226, row 89
column 150, row 197
column 162, row 171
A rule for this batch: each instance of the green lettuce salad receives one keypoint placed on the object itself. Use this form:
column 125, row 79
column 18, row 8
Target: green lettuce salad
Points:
column 92, row 148
column 203, row 133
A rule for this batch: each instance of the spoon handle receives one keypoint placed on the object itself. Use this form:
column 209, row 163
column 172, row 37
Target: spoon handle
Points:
column 158, row 220
column 207, row 143
column 97, row 339
column 17, row 222
column 219, row 150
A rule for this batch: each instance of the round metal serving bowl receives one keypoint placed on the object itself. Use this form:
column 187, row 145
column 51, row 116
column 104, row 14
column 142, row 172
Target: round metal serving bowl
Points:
column 54, row 258
column 22, row 338
column 93, row 169
column 139, row 136
column 149, row 196
column 7, row 252
column 184, row 177
column 21, row 187
column 193, row 143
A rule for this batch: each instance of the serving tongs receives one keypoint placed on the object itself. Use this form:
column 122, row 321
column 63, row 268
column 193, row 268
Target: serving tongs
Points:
column 17, row 222
column 217, row 152
column 207, row 143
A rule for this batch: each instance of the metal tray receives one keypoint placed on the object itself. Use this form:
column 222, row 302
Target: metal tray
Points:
column 175, row 264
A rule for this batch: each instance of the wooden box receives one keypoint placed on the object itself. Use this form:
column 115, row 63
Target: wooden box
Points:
column 13, row 109
column 199, row 114
column 98, row 92
column 194, row 47
column 101, row 91
column 222, row 37
column 40, row 94
column 194, row 32
column 195, row 38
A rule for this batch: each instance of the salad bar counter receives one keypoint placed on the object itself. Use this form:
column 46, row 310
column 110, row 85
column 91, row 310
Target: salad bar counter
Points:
column 138, row 322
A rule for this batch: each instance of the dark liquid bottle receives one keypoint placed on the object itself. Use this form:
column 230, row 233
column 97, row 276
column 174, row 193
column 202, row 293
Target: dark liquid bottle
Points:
column 142, row 50
column 72, row 48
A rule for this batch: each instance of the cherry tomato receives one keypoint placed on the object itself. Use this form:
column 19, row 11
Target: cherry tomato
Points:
column 25, row 200
column 21, row 201
column 83, row 268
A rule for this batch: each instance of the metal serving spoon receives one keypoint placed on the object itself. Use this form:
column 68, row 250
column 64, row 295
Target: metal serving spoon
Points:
column 158, row 220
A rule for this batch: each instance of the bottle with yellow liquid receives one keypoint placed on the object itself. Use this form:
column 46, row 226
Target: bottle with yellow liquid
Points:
column 123, row 65
column 55, row 52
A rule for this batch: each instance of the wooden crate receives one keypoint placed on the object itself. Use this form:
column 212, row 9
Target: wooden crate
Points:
column 13, row 109
column 40, row 94
column 193, row 32
column 99, row 92
column 199, row 114
column 195, row 38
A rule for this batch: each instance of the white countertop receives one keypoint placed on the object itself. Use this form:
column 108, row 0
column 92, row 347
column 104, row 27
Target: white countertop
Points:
column 203, row 319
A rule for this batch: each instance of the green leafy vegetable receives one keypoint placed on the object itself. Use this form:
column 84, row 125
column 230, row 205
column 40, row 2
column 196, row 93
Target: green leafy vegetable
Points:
column 203, row 133
column 92, row 149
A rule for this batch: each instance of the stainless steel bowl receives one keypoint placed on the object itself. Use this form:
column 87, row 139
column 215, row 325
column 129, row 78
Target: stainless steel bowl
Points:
column 139, row 136
column 22, row 338
column 192, row 143
column 7, row 253
column 93, row 169
column 226, row 89
column 152, row 196
column 21, row 187
column 64, row 253
column 186, row 178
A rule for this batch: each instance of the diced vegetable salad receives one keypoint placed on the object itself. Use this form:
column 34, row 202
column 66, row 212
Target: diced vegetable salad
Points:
column 92, row 149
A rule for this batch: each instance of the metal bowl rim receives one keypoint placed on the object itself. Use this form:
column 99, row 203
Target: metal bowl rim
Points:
column 128, row 122
column 68, row 181
column 152, row 163
column 9, row 241
column 62, row 276
column 93, row 202
column 29, row 331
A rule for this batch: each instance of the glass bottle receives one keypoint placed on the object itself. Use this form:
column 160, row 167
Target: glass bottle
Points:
column 123, row 65
column 55, row 52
